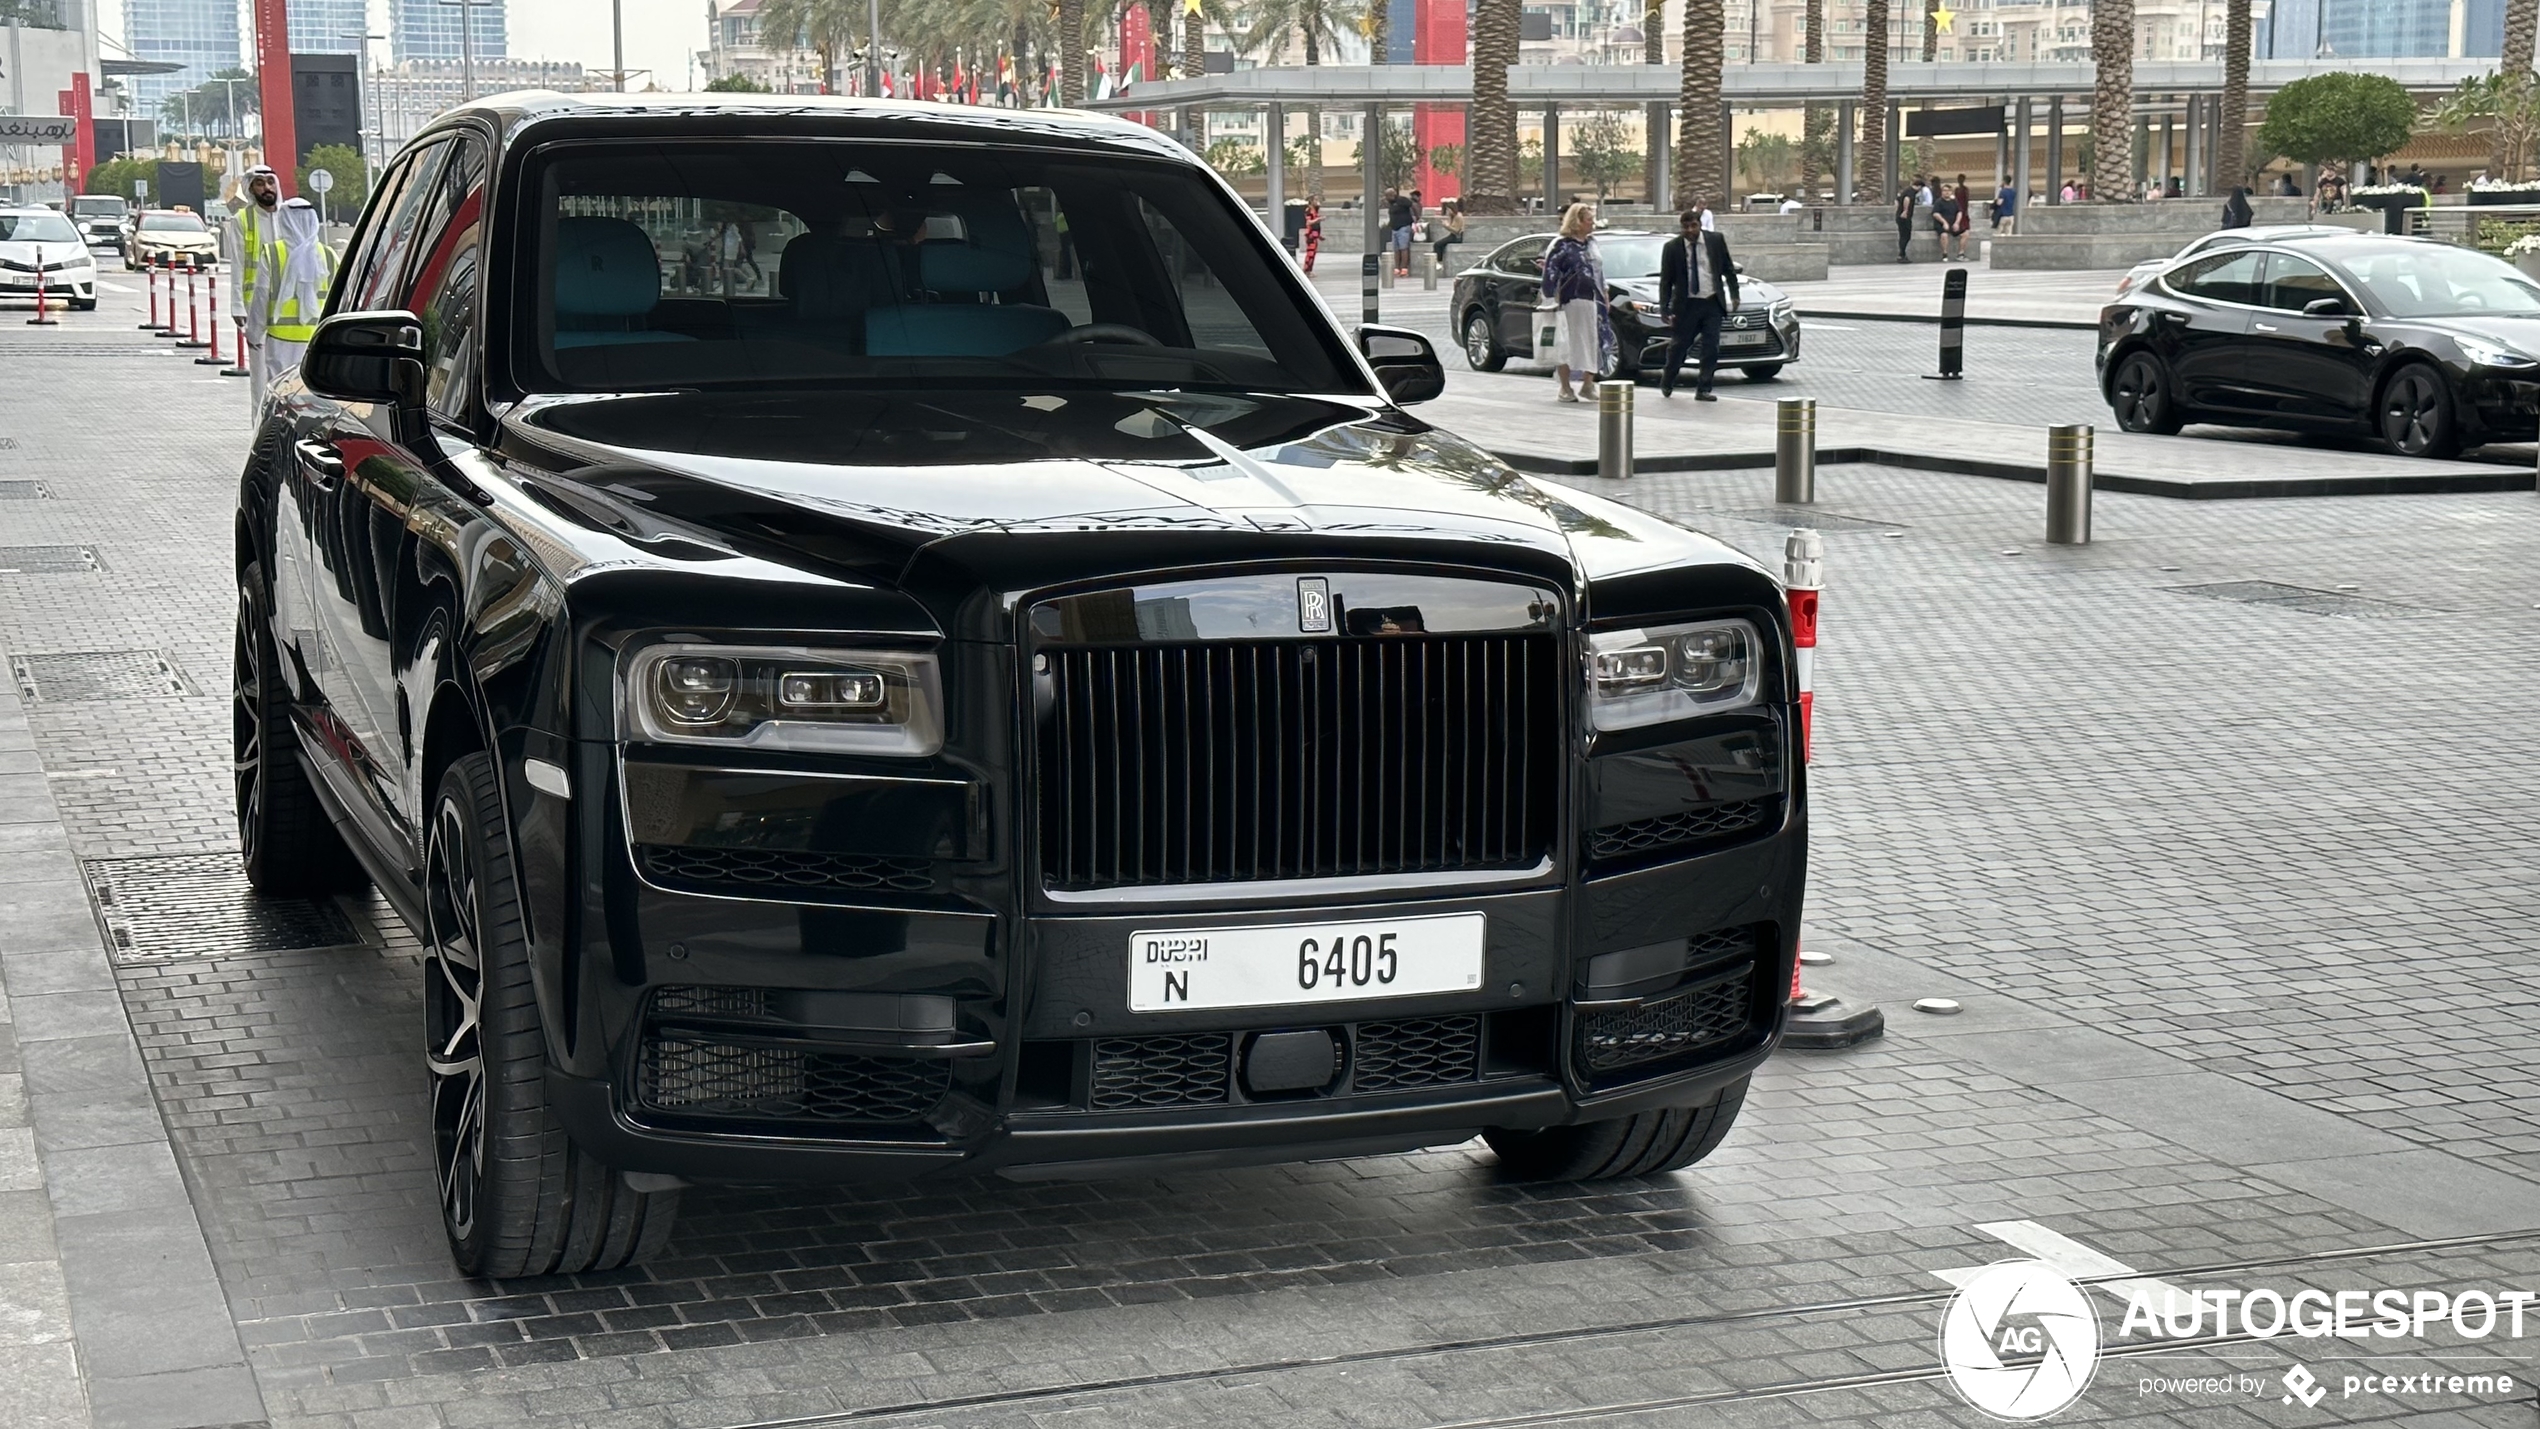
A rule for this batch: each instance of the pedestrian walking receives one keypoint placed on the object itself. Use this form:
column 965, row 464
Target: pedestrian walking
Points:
column 2236, row 213
column 1697, row 289
column 1905, row 224
column 1447, row 229
column 250, row 222
column 291, row 281
column 1574, row 278
column 1313, row 231
column 1399, row 216
column 2006, row 208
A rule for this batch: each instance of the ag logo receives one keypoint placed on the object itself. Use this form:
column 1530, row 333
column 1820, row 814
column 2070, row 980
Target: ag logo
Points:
column 2019, row 1340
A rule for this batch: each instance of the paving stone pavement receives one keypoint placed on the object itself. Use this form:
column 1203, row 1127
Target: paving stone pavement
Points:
column 2236, row 896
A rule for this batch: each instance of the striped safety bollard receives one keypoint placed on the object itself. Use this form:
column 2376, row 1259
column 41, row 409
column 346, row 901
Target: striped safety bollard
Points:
column 150, row 280
column 193, row 310
column 1818, row 1022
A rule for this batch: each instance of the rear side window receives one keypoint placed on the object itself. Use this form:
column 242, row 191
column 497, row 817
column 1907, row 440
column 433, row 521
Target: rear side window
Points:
column 2225, row 278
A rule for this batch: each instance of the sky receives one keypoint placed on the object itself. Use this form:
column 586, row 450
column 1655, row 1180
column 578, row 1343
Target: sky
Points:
column 660, row 35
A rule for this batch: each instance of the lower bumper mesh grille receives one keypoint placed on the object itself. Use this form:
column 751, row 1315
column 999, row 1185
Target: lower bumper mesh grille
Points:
column 1711, row 823
column 695, row 1076
column 1417, row 1052
column 1716, row 1009
column 1132, row 1073
column 774, row 870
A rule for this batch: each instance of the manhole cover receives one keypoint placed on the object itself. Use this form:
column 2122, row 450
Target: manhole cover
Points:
column 2302, row 598
column 1802, row 516
column 23, row 491
column 199, row 906
column 48, row 560
column 99, row 675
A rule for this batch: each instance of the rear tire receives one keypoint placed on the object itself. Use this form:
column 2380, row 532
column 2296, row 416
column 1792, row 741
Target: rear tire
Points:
column 1647, row 1143
column 285, row 837
column 1481, row 343
column 517, row 1196
column 2142, row 397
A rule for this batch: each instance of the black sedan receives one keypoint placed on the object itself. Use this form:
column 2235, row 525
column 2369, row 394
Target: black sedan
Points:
column 2430, row 347
column 1009, row 687
column 1495, row 317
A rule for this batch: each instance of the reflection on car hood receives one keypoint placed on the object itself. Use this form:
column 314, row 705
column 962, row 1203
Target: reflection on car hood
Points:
column 1753, row 291
column 2522, row 334
column 860, row 482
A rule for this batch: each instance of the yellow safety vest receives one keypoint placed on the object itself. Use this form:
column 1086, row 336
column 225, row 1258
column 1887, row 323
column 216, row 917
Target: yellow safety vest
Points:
column 287, row 323
column 251, row 248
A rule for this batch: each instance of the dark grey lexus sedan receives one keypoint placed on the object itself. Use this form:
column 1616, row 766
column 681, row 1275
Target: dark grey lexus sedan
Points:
column 873, row 640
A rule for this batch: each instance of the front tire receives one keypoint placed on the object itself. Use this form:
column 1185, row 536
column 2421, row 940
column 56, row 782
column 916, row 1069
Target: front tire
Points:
column 517, row 1196
column 1765, row 373
column 1481, row 343
column 285, row 837
column 1645, row 1144
column 2416, row 414
column 2142, row 397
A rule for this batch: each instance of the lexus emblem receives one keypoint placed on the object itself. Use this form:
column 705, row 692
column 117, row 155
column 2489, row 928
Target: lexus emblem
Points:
column 1314, row 605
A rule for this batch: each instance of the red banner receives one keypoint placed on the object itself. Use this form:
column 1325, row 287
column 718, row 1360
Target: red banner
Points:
column 273, row 89
column 1437, row 38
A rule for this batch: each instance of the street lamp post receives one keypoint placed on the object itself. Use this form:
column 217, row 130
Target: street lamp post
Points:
column 467, row 45
column 370, row 132
column 617, row 44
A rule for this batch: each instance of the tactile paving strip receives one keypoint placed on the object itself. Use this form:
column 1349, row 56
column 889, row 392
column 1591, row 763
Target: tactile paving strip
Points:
column 2303, row 598
column 199, row 906
column 99, row 675
column 48, row 560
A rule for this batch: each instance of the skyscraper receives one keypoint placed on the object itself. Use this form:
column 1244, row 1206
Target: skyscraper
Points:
column 201, row 35
column 429, row 30
column 319, row 27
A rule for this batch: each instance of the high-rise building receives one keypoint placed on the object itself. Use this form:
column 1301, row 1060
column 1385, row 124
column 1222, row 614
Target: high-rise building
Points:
column 201, row 35
column 322, row 27
column 429, row 29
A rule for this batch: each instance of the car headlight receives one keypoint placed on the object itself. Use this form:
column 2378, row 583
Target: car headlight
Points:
column 1783, row 308
column 778, row 697
column 2489, row 355
column 1671, row 672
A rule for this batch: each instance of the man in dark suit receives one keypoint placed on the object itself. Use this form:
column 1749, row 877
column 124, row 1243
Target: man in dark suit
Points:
column 1697, row 287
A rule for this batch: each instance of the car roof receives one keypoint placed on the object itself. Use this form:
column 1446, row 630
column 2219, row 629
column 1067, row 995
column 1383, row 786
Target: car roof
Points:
column 517, row 113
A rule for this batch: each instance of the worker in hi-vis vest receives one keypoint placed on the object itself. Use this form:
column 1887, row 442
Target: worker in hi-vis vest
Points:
column 243, row 237
column 292, row 273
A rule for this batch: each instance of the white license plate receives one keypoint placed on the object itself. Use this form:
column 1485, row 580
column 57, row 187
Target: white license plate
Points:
column 1745, row 339
column 1301, row 963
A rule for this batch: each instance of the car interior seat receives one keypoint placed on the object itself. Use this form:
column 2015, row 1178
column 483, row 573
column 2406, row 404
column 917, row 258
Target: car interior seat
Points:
column 608, row 282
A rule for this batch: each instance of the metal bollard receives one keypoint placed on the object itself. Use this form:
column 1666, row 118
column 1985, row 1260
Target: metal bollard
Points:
column 1795, row 451
column 1429, row 271
column 2068, row 486
column 1614, row 429
column 1367, row 265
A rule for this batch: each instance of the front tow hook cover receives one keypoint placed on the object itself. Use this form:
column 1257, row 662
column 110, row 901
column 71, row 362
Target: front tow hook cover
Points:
column 1291, row 1062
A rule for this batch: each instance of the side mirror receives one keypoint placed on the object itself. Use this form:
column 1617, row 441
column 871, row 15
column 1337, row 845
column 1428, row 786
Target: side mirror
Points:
column 367, row 357
column 2325, row 308
column 1404, row 362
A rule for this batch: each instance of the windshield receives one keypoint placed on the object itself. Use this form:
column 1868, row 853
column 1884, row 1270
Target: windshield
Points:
column 45, row 227
column 97, row 207
column 171, row 223
column 905, row 265
column 1636, row 256
column 2431, row 282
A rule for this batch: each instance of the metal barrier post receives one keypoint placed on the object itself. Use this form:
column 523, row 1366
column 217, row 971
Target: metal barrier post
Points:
column 1367, row 266
column 2068, row 462
column 1795, row 451
column 1953, row 326
column 1614, row 429
column 1428, row 270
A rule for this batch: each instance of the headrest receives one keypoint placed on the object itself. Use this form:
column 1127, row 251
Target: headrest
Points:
column 605, row 268
column 828, row 278
column 965, row 267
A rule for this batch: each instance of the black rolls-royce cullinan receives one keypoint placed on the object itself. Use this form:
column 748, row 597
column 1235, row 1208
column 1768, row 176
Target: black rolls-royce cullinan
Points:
column 880, row 639
column 2430, row 347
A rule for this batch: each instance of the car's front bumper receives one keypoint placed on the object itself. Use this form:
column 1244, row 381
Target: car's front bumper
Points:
column 1768, row 343
column 78, row 283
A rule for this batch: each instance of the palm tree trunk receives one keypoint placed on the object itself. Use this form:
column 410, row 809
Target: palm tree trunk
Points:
column 2231, row 163
column 2522, row 25
column 1194, row 41
column 2112, row 100
column 1869, row 160
column 1314, row 155
column 1379, row 32
column 1653, row 50
column 1071, row 52
column 1700, row 162
column 1931, row 30
column 1490, row 151
column 1817, row 124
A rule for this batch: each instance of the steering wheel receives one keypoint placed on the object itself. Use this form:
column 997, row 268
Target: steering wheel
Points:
column 1109, row 332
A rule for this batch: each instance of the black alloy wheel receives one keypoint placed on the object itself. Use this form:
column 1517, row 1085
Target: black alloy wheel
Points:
column 1481, row 343
column 2416, row 414
column 285, row 837
column 2141, row 396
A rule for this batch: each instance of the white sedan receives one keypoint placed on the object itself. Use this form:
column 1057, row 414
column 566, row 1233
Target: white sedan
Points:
column 2143, row 272
column 30, row 237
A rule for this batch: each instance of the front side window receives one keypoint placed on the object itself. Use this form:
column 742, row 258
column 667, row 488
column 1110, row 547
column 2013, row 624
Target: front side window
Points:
column 900, row 265
column 2295, row 283
column 442, row 291
column 390, row 237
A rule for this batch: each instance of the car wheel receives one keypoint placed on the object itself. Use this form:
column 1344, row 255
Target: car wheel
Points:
column 285, row 837
column 2141, row 397
column 85, row 305
column 1765, row 373
column 517, row 1196
column 1481, row 343
column 1644, row 1144
column 2416, row 414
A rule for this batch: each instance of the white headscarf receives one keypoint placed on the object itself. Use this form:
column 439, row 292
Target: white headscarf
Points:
column 303, row 268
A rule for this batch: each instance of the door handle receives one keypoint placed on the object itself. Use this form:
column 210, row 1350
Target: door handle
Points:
column 321, row 461
column 2262, row 327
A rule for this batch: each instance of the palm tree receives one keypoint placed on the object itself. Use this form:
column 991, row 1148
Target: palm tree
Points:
column 2522, row 25
column 1071, row 52
column 1490, row 151
column 1817, row 127
column 1653, row 51
column 826, row 27
column 1871, row 160
column 1701, row 163
column 1194, row 39
column 2231, row 162
column 1378, row 27
column 2112, row 100
column 1274, row 24
column 1931, row 30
